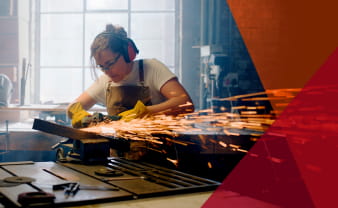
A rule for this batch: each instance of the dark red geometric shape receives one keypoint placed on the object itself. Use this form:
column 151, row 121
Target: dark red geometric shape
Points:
column 294, row 164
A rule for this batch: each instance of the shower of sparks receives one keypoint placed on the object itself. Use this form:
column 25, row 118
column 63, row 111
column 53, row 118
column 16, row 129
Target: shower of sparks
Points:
column 153, row 128
column 148, row 128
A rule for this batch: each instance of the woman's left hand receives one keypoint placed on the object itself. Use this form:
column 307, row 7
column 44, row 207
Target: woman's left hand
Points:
column 139, row 111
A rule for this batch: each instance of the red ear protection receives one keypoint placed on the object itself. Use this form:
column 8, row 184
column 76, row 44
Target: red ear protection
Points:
column 132, row 50
column 125, row 46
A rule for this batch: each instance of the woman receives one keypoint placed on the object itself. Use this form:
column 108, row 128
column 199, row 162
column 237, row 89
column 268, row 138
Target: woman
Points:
column 129, row 88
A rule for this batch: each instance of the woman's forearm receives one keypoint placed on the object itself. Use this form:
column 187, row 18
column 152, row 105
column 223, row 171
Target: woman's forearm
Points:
column 173, row 106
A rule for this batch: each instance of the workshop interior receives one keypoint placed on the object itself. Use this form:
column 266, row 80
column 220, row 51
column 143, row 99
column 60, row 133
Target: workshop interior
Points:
column 45, row 64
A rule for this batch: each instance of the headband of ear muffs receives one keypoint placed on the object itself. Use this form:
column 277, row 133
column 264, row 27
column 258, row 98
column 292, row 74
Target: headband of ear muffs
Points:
column 125, row 46
column 128, row 50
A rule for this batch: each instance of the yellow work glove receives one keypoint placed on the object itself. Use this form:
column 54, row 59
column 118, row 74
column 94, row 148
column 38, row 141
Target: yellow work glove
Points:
column 139, row 111
column 78, row 115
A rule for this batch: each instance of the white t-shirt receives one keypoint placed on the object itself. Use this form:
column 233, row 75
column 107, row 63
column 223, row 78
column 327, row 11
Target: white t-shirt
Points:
column 156, row 74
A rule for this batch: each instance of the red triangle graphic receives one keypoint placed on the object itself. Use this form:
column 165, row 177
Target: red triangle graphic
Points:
column 293, row 163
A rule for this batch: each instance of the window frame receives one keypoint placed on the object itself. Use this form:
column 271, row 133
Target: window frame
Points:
column 36, row 96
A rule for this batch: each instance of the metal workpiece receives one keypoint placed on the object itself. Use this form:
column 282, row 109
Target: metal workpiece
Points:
column 94, row 147
column 83, row 146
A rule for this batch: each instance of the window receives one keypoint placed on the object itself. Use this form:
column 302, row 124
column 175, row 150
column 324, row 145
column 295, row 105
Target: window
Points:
column 67, row 28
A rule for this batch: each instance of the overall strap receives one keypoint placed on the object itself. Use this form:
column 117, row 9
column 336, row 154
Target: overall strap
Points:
column 141, row 71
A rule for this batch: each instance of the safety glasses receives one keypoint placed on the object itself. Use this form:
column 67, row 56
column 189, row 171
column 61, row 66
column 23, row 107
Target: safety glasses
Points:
column 110, row 64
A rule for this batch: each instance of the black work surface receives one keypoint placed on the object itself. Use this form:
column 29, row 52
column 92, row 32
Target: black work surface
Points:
column 149, row 180
column 144, row 181
column 45, row 181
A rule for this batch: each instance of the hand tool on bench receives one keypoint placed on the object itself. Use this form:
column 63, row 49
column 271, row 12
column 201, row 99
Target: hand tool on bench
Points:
column 71, row 189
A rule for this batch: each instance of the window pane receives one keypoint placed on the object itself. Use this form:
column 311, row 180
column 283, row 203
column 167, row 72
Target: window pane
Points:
column 60, row 85
column 90, row 78
column 62, row 47
column 153, row 26
column 154, row 34
column 153, row 5
column 61, row 44
column 61, row 5
column 107, row 4
column 156, row 49
column 96, row 23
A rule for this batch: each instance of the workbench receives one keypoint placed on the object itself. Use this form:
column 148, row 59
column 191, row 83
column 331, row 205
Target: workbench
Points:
column 134, row 181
